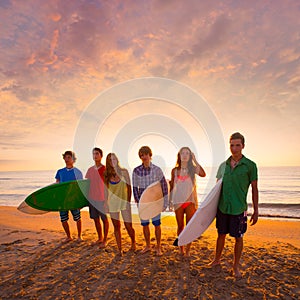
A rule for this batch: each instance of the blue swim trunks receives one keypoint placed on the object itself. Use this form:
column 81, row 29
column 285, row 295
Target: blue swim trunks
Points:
column 64, row 215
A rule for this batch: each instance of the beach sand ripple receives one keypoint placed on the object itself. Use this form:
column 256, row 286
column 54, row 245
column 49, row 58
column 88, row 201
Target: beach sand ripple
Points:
column 35, row 264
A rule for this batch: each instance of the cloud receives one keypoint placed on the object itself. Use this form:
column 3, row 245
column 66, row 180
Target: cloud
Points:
column 57, row 56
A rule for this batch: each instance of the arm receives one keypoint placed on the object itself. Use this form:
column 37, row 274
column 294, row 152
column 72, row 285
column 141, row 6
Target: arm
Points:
column 127, row 178
column 105, row 197
column 221, row 171
column 172, row 180
column 164, row 187
column 199, row 170
column 254, row 216
column 171, row 188
column 135, row 187
column 57, row 177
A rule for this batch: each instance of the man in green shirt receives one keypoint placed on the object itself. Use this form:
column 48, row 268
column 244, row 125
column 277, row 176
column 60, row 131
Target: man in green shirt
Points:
column 237, row 173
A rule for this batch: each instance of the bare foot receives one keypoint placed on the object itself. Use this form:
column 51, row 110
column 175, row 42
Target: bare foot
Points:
column 181, row 250
column 79, row 239
column 146, row 249
column 214, row 263
column 133, row 247
column 236, row 272
column 98, row 242
column 102, row 245
column 67, row 239
column 158, row 251
column 187, row 254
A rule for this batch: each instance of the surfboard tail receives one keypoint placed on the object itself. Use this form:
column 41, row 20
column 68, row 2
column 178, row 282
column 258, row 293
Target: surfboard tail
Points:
column 175, row 242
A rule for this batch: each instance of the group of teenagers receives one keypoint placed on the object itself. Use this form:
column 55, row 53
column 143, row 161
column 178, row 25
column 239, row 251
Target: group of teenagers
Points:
column 111, row 190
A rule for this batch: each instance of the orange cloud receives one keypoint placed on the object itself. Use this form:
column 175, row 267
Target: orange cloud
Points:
column 55, row 17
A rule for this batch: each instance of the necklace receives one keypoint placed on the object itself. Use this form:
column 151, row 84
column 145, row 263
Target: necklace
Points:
column 234, row 162
column 184, row 170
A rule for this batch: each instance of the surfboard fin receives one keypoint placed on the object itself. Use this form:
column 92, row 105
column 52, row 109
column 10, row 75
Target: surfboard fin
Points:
column 175, row 242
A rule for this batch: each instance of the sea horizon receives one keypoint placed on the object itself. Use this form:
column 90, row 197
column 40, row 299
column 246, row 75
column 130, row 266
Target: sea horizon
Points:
column 279, row 188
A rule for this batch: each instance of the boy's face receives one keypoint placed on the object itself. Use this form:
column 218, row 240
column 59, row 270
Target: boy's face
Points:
column 68, row 159
column 97, row 156
column 236, row 146
column 145, row 158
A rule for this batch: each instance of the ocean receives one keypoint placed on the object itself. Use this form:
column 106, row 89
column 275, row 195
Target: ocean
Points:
column 279, row 189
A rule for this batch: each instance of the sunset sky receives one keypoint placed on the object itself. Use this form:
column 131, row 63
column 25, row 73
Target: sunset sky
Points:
column 56, row 57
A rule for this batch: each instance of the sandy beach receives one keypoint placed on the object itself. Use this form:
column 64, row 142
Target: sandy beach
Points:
column 35, row 264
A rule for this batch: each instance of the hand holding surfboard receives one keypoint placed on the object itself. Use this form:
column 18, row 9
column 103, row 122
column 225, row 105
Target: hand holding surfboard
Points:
column 152, row 201
column 202, row 218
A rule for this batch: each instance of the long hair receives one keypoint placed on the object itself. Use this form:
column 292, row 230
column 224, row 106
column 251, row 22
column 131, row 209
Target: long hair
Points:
column 111, row 170
column 190, row 166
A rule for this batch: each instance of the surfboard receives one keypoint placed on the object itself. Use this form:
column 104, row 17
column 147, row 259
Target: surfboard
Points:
column 25, row 208
column 203, row 217
column 59, row 196
column 152, row 201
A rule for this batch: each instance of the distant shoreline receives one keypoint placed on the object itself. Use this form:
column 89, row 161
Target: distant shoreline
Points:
column 209, row 167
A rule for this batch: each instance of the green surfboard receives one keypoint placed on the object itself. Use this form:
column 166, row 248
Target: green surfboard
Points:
column 60, row 196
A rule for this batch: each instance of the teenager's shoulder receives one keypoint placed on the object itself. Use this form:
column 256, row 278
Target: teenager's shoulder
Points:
column 124, row 171
column 248, row 161
column 137, row 168
column 91, row 168
column 155, row 167
column 61, row 170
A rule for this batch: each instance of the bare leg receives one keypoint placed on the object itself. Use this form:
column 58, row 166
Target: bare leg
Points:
column 105, row 228
column 179, row 212
column 126, row 215
column 117, row 230
column 190, row 210
column 219, row 249
column 158, row 240
column 131, row 233
column 146, row 232
column 99, row 230
column 66, row 227
column 79, row 228
column 238, row 248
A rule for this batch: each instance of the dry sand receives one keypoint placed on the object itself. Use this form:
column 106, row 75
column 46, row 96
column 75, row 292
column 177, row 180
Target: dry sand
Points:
column 35, row 264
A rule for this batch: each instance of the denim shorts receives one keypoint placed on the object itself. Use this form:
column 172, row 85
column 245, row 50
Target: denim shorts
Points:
column 235, row 225
column 155, row 221
column 64, row 215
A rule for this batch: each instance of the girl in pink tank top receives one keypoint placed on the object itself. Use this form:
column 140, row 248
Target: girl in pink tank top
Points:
column 183, row 193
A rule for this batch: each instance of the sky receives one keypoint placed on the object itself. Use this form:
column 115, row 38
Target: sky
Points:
column 57, row 58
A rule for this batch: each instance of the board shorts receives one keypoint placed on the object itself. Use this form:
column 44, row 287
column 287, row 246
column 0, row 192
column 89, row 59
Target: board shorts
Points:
column 64, row 215
column 235, row 225
column 155, row 221
column 95, row 213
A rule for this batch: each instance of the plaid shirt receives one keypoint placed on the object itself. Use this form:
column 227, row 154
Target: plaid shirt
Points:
column 143, row 177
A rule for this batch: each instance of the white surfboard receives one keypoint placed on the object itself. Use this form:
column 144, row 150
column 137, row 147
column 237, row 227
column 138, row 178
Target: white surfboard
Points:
column 152, row 201
column 203, row 217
